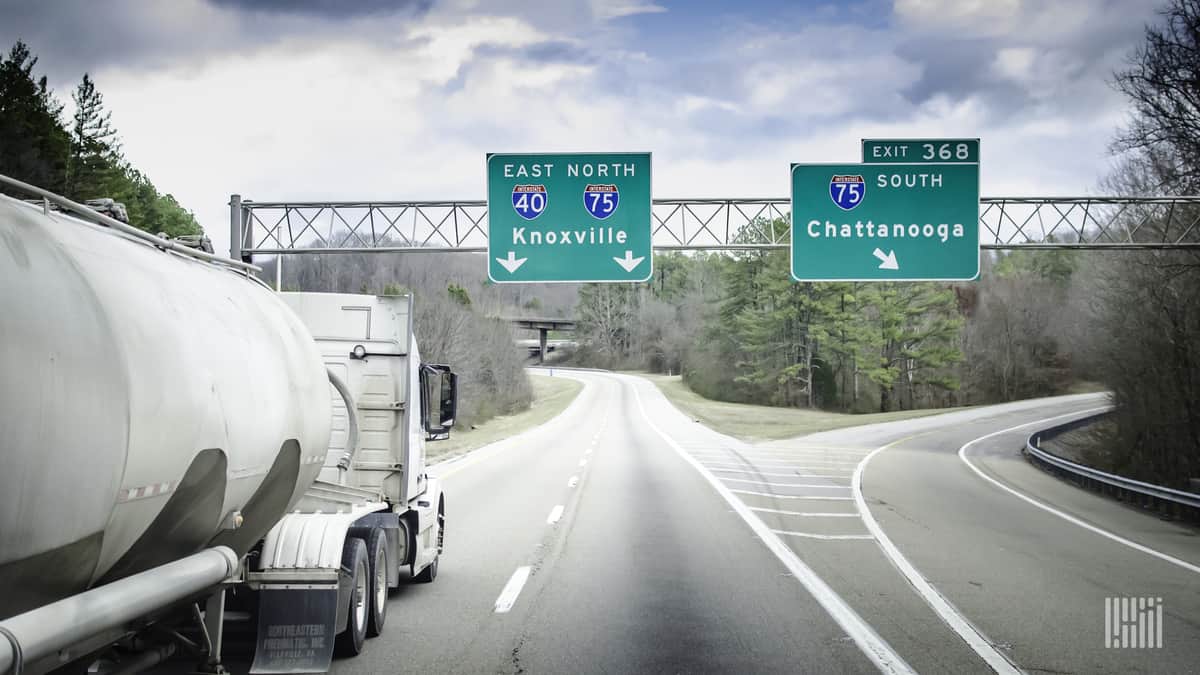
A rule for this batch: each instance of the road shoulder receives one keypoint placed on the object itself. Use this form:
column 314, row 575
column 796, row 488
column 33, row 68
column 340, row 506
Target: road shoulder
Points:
column 551, row 395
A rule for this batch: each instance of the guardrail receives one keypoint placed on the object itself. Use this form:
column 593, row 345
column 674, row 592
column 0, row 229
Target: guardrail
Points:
column 1167, row 501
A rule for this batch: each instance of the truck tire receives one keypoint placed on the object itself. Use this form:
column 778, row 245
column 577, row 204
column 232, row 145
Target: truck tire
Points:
column 354, row 558
column 377, row 556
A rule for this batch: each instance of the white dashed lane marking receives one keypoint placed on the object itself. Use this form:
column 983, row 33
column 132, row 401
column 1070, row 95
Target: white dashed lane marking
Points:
column 508, row 596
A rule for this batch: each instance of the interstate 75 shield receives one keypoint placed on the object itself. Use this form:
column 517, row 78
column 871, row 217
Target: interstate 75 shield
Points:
column 847, row 191
column 601, row 200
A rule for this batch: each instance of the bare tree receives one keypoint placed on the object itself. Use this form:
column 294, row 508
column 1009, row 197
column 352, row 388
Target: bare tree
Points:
column 1163, row 84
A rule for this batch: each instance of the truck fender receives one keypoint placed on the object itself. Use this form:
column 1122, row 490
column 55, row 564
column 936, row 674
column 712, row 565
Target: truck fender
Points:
column 429, row 534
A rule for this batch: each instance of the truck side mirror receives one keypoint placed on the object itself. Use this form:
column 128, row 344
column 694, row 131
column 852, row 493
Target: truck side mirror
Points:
column 449, row 399
column 439, row 400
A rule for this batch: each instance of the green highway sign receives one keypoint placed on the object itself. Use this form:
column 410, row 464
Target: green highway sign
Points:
column 920, row 151
column 885, row 222
column 569, row 217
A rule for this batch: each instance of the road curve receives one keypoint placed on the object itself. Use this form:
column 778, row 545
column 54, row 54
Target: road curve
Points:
column 622, row 536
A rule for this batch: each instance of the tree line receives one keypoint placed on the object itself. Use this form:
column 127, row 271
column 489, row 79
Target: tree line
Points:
column 737, row 328
column 1147, row 303
column 79, row 157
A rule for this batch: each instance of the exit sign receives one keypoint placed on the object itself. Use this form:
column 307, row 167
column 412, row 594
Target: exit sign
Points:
column 920, row 151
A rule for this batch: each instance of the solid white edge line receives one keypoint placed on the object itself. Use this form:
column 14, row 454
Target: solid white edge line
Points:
column 508, row 596
column 962, row 454
column 974, row 638
column 810, row 535
column 806, row 514
column 555, row 514
column 872, row 645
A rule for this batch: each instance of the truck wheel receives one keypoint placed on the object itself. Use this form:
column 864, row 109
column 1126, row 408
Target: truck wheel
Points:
column 378, row 557
column 354, row 558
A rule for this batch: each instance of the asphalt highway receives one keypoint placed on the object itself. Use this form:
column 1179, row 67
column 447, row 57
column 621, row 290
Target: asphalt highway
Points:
column 624, row 537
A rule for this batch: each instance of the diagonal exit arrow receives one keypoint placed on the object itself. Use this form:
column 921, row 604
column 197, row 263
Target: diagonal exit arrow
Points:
column 887, row 262
column 512, row 263
column 629, row 262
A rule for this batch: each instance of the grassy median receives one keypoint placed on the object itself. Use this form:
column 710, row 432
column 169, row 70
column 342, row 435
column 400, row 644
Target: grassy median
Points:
column 761, row 422
column 550, row 396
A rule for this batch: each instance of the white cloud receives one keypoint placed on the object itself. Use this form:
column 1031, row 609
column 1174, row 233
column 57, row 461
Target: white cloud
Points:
column 615, row 9
column 410, row 113
column 959, row 13
column 1015, row 63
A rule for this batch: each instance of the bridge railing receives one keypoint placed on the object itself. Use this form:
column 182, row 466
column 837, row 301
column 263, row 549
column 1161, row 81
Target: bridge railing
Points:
column 1163, row 499
column 702, row 224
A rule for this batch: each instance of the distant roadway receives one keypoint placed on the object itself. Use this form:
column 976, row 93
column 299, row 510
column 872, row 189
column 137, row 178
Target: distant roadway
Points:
column 623, row 537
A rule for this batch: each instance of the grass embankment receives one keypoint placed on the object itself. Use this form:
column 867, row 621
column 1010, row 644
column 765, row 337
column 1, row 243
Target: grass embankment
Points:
column 550, row 396
column 762, row 422
column 1086, row 445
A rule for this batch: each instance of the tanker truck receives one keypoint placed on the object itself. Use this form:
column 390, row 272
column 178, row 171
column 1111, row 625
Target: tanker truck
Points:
column 184, row 450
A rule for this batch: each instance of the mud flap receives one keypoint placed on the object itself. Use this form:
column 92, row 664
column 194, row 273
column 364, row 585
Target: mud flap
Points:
column 296, row 628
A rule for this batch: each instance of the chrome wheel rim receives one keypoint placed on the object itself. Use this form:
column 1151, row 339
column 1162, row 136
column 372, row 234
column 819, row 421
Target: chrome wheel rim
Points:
column 360, row 599
column 380, row 581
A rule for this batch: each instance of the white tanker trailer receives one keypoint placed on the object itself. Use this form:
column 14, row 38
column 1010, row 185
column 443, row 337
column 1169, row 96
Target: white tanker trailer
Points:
column 171, row 430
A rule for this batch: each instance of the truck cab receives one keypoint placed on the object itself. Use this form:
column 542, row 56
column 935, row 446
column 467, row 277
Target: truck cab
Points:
column 372, row 488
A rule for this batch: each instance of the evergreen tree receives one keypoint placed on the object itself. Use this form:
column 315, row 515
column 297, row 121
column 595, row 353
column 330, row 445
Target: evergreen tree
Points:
column 459, row 294
column 95, row 168
column 916, row 337
column 33, row 144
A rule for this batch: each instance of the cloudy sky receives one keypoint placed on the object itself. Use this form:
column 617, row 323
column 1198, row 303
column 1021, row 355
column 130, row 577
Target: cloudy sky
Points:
column 401, row 99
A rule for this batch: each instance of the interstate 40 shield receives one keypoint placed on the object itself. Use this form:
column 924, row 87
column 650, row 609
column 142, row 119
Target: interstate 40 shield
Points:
column 529, row 201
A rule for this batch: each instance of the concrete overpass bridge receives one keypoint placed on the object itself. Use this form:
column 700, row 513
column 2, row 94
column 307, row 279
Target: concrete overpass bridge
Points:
column 543, row 325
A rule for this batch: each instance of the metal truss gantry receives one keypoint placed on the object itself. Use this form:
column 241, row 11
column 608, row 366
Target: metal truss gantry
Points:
column 1006, row 223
